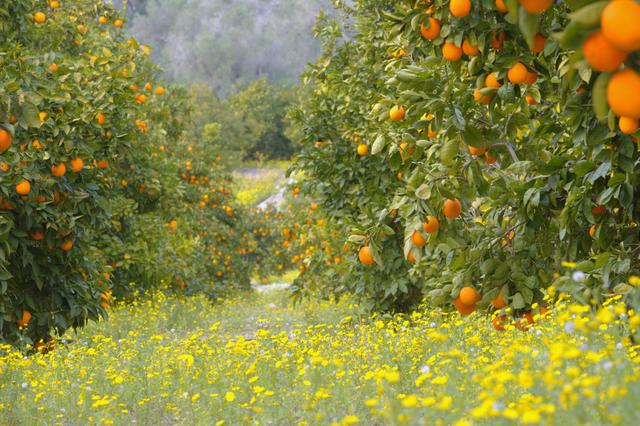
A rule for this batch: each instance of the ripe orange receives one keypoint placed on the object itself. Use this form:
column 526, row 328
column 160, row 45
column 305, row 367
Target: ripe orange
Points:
column 103, row 164
column 54, row 4
column 417, row 239
column 498, row 302
column 101, row 118
column 365, row 256
column 532, row 77
column 148, row 87
column 463, row 309
column 628, row 125
column 159, row 90
column 451, row 52
column 363, row 149
column 498, row 40
column 117, row 23
column 622, row 93
column 469, row 296
column 23, row 187
column 460, row 8
column 59, row 170
column 483, row 99
column 396, row 113
column 37, row 235
column 76, row 164
column 469, row 49
column 5, row 167
column 39, row 18
column 477, row 151
column 489, row 159
column 5, row 139
column 498, row 322
column 598, row 210
column 433, row 31
column 53, row 67
column 67, row 245
column 530, row 100
column 501, row 6
column 536, row 7
column 601, row 54
column 492, row 80
column 592, row 230
column 432, row 225
column 452, row 208
column 619, row 23
column 525, row 322
column 538, row 43
column 518, row 73
column 24, row 320
column 410, row 257
column 102, row 20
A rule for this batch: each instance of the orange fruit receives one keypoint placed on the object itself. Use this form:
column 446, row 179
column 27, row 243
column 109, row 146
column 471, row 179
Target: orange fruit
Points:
column 489, row 159
column 498, row 40
column 452, row 208
column 148, row 87
column 410, row 257
column 365, row 256
column 433, row 31
column 54, row 4
column 103, row 164
column 601, row 54
column 477, row 151
column 117, row 23
column 59, row 170
column 396, row 113
column 492, row 80
column 598, row 210
column 530, row 100
column 76, row 164
column 39, row 18
column 483, row 99
column 102, row 20
column 532, row 77
column 432, row 225
column 460, row 8
column 37, row 235
column 363, row 149
column 53, row 67
column 538, row 43
column 469, row 296
column 622, row 93
column 417, row 239
column 451, row 52
column 463, row 309
column 67, row 245
column 592, row 230
column 498, row 302
column 24, row 320
column 469, row 49
column 5, row 139
column 498, row 322
column 536, row 7
column 525, row 322
column 101, row 118
column 619, row 22
column 159, row 90
column 501, row 6
column 628, row 125
column 518, row 73
column 23, row 187
column 4, row 167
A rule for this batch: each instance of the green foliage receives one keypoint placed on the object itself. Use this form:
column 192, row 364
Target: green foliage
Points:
column 521, row 216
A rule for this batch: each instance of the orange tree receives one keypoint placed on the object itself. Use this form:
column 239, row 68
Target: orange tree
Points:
column 100, row 191
column 472, row 146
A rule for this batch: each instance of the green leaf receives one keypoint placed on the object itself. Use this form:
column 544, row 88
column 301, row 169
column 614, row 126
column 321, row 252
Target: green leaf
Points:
column 589, row 16
column 473, row 137
column 378, row 144
column 424, row 191
column 599, row 96
column 528, row 24
column 448, row 151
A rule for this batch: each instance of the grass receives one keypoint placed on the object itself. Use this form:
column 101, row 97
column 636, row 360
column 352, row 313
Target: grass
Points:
column 253, row 188
column 258, row 360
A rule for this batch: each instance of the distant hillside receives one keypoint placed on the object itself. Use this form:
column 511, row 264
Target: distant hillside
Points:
column 227, row 43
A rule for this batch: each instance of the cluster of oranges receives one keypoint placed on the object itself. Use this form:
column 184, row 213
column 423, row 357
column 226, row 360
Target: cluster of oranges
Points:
column 607, row 49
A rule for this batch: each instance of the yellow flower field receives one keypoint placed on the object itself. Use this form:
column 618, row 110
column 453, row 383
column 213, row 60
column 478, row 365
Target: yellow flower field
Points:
column 257, row 360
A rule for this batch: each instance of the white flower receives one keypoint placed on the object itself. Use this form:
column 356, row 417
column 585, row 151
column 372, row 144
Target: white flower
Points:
column 578, row 276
